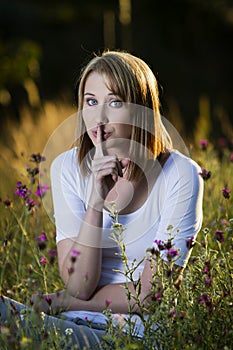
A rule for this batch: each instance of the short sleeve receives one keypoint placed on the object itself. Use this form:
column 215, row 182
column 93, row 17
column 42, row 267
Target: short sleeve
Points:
column 67, row 187
column 182, row 209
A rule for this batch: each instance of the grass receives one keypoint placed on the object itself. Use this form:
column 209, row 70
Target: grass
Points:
column 197, row 316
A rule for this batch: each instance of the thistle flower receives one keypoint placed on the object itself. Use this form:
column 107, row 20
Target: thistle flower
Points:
column 41, row 241
column 74, row 254
column 203, row 144
column 22, row 190
column 41, row 191
column 108, row 302
column 48, row 299
column 43, row 261
column 171, row 253
column 205, row 174
column 31, row 204
column 226, row 192
column 219, row 236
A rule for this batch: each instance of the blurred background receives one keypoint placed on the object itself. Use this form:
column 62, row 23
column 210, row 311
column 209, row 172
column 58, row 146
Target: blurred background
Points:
column 44, row 44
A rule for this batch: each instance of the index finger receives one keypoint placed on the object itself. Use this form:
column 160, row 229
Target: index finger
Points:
column 99, row 149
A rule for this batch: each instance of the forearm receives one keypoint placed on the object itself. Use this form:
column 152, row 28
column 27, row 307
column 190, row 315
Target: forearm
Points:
column 113, row 296
column 80, row 268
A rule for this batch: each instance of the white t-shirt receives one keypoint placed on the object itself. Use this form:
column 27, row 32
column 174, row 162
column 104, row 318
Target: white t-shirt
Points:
column 175, row 199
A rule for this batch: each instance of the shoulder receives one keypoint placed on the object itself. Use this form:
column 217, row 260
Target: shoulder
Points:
column 181, row 164
column 181, row 170
column 65, row 166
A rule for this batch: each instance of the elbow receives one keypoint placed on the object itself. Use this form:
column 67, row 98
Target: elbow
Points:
column 79, row 294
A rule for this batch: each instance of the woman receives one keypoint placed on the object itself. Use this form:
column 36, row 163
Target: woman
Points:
column 124, row 156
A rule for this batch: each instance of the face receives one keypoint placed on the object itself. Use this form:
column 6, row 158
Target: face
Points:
column 102, row 106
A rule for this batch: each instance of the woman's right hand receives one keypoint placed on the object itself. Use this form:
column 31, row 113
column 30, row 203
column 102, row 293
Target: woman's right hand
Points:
column 106, row 170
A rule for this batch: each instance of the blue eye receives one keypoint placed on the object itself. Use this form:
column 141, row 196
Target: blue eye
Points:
column 116, row 103
column 91, row 102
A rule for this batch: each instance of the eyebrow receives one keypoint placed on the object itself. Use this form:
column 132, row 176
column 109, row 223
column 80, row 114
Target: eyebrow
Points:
column 91, row 94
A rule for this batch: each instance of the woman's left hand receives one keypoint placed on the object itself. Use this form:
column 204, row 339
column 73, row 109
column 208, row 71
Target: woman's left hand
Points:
column 51, row 303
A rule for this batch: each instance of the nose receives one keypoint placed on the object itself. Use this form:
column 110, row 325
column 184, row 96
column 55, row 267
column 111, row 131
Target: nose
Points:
column 101, row 114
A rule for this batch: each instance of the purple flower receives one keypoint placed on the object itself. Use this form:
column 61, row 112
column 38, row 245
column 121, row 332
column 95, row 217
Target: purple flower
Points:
column 226, row 192
column 41, row 241
column 208, row 281
column 205, row 174
column 74, row 254
column 22, row 190
column 219, row 236
column 160, row 244
column 203, row 144
column 41, row 191
column 52, row 254
column 171, row 253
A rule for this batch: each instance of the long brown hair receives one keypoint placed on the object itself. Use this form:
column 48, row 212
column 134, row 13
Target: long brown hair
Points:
column 133, row 81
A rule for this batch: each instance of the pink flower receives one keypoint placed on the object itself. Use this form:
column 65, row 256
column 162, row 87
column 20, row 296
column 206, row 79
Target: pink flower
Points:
column 231, row 157
column 108, row 302
column 41, row 191
column 203, row 144
column 74, row 254
column 43, row 261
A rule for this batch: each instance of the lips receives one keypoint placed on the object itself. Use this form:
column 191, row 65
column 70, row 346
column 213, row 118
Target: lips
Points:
column 105, row 134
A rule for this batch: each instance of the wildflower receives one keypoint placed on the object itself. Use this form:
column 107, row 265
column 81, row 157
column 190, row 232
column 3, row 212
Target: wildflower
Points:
column 32, row 172
column 208, row 281
column 171, row 253
column 48, row 299
column 168, row 244
column 172, row 313
column 205, row 174
column 37, row 158
column 203, row 144
column 219, row 236
column 108, row 302
column 231, row 157
column 22, row 190
column 43, row 261
column 41, row 241
column 160, row 244
column 190, row 243
column 52, row 254
column 69, row 331
column 7, row 203
column 31, row 204
column 157, row 297
column 41, row 191
column 226, row 192
column 74, row 254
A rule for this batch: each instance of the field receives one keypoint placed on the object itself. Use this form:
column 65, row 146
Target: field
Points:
column 197, row 316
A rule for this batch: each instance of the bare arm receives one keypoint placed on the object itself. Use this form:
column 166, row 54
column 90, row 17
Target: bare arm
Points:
column 112, row 295
column 81, row 274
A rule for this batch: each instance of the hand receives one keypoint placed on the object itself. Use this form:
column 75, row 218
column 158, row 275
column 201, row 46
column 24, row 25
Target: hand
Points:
column 52, row 303
column 105, row 169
